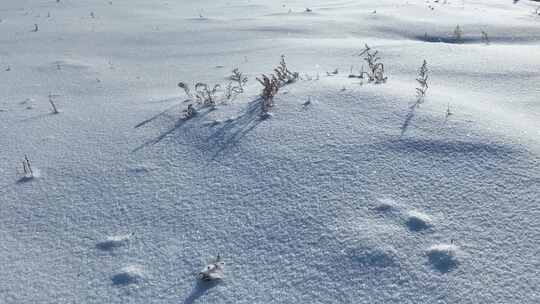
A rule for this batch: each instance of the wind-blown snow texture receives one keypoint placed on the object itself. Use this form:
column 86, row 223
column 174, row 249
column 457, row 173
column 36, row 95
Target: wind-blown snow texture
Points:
column 354, row 197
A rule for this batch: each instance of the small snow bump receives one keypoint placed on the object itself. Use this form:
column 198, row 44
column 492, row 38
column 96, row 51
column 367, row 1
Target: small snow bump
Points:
column 212, row 123
column 417, row 221
column 444, row 257
column 27, row 101
column 375, row 257
column 142, row 169
column 386, row 205
column 112, row 242
column 266, row 115
column 128, row 275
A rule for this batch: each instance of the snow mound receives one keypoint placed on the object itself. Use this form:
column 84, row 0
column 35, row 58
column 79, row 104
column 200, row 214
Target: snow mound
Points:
column 417, row 221
column 375, row 257
column 414, row 220
column 112, row 242
column 128, row 275
column 444, row 257
column 386, row 205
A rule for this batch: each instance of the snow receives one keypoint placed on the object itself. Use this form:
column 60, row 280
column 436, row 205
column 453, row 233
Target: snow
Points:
column 128, row 275
column 356, row 196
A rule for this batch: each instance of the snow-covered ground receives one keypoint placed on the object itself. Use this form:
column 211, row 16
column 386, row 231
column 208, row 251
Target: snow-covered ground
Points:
column 356, row 196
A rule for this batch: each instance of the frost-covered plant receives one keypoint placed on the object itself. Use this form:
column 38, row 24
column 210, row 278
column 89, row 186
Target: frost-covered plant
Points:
column 240, row 79
column 283, row 74
column 272, row 83
column 203, row 93
column 422, row 79
column 375, row 72
column 236, row 86
column 207, row 95
column 270, row 89
column 230, row 92
column 458, row 34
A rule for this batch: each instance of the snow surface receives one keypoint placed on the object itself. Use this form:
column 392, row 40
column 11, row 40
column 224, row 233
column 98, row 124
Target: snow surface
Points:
column 320, row 203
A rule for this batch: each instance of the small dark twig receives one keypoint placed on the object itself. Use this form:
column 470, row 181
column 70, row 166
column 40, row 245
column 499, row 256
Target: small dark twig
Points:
column 485, row 38
column 458, row 34
column 55, row 110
